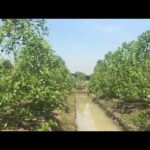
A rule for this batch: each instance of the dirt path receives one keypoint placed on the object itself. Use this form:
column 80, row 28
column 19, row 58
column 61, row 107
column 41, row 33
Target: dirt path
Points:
column 92, row 118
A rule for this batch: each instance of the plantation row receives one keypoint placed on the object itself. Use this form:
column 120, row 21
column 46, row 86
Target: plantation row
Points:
column 125, row 73
column 34, row 81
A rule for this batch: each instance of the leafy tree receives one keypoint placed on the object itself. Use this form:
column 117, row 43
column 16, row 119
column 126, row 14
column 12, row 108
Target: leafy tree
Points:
column 40, row 81
column 16, row 33
column 79, row 80
column 125, row 73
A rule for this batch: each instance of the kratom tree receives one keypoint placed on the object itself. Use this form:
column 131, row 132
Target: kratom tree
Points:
column 41, row 80
column 16, row 33
column 124, row 73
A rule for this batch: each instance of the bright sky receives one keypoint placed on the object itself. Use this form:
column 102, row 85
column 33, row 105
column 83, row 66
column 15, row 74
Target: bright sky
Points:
column 82, row 42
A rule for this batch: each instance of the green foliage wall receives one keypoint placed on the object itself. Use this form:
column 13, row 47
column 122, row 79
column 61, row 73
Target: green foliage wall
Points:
column 125, row 73
column 36, row 79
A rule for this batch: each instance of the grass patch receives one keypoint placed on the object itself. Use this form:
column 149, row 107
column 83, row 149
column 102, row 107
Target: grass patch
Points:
column 67, row 118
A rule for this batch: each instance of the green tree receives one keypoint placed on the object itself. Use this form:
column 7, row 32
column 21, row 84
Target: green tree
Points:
column 16, row 33
column 40, row 81
column 125, row 73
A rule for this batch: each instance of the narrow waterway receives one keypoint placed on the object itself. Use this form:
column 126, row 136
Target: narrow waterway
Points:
column 90, row 117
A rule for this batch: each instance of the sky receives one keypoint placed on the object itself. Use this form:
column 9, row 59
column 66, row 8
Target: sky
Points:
column 82, row 42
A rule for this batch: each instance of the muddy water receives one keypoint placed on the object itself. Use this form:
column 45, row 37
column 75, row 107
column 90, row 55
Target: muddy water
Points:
column 90, row 117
